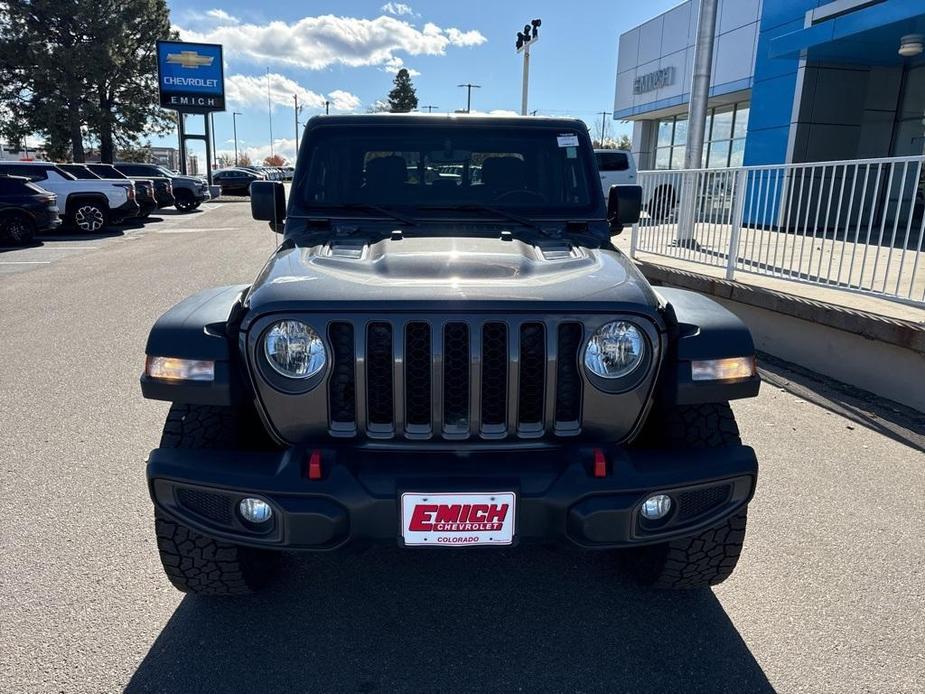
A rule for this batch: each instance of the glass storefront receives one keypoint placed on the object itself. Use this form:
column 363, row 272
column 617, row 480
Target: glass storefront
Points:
column 724, row 143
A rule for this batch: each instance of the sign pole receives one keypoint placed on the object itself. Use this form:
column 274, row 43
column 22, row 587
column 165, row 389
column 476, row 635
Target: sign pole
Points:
column 206, row 117
column 181, row 131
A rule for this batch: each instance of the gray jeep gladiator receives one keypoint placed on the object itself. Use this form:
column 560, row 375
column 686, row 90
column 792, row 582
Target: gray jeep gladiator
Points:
column 446, row 350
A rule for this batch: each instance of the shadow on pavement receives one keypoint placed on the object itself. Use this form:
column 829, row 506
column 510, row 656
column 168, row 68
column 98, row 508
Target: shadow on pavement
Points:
column 886, row 417
column 531, row 619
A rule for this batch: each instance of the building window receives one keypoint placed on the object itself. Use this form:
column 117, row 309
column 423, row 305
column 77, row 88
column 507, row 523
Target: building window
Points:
column 724, row 143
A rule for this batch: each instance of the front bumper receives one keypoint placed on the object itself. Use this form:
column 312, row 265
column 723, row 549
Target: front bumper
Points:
column 357, row 499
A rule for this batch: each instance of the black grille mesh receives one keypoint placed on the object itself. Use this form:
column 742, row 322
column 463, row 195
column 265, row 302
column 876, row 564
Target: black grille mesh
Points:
column 568, row 380
column 456, row 375
column 343, row 376
column 532, row 372
column 692, row 504
column 379, row 373
column 494, row 373
column 417, row 373
column 215, row 507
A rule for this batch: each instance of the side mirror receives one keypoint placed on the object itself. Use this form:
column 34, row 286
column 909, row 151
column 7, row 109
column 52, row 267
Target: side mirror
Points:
column 624, row 204
column 268, row 203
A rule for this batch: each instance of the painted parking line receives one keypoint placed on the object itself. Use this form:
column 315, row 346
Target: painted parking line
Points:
column 24, row 262
column 193, row 231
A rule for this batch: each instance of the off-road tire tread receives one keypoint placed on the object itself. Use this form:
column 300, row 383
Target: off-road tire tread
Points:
column 193, row 562
column 708, row 558
column 198, row 564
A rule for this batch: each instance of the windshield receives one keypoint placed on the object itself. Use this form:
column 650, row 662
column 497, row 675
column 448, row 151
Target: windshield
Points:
column 446, row 167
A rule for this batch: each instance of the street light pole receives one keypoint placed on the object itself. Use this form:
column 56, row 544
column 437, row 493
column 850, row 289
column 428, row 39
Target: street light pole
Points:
column 430, row 108
column 295, row 99
column 234, row 125
column 269, row 112
column 525, row 39
column 469, row 87
column 327, row 108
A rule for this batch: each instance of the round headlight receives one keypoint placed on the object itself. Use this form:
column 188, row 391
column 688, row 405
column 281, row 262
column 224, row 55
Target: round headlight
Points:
column 615, row 350
column 294, row 349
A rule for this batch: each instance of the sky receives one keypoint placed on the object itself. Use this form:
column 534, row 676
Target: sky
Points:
column 347, row 52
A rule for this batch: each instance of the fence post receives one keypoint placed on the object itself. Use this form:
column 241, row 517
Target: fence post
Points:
column 687, row 207
column 633, row 240
column 738, row 215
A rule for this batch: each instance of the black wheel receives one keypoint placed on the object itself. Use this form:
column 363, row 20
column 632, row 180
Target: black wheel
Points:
column 193, row 562
column 17, row 229
column 88, row 217
column 709, row 557
column 184, row 201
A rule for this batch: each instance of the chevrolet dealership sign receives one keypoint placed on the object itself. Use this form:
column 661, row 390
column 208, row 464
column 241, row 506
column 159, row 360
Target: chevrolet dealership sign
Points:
column 190, row 76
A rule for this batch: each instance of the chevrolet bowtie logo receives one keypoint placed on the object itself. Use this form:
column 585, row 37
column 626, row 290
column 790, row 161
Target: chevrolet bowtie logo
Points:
column 189, row 59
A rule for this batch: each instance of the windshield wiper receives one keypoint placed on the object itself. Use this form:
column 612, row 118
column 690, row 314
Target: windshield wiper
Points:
column 476, row 207
column 386, row 212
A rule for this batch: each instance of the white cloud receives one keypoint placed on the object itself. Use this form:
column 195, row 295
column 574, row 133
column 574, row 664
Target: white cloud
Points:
column 397, row 8
column 465, row 38
column 222, row 17
column 285, row 147
column 251, row 90
column 316, row 43
column 343, row 101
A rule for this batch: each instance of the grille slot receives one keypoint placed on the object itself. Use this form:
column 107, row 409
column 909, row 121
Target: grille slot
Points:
column 342, row 389
column 532, row 375
column 417, row 375
column 456, row 378
column 494, row 377
column 699, row 501
column 568, row 380
column 379, row 381
column 215, row 507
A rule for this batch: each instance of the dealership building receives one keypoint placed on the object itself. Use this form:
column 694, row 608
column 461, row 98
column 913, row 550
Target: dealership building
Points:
column 791, row 81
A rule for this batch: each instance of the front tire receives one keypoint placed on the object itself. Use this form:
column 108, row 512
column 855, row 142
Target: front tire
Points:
column 708, row 558
column 184, row 201
column 17, row 229
column 193, row 562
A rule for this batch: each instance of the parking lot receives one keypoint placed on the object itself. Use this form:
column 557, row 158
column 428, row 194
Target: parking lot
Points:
column 829, row 594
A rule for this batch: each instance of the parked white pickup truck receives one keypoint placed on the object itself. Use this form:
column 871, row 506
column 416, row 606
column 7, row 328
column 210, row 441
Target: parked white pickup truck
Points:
column 88, row 204
column 617, row 168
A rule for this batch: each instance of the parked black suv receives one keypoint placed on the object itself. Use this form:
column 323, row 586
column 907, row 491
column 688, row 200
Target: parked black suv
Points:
column 25, row 209
column 440, row 361
column 162, row 187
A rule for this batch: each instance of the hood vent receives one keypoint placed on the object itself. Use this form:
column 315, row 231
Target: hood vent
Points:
column 561, row 250
column 347, row 248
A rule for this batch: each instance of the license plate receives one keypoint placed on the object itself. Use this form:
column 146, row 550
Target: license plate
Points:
column 458, row 520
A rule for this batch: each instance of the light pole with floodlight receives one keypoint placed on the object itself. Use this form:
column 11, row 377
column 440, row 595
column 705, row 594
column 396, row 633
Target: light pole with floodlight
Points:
column 525, row 39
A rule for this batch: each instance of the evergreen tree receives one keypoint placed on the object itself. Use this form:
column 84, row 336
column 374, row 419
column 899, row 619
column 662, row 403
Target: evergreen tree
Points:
column 402, row 98
column 78, row 70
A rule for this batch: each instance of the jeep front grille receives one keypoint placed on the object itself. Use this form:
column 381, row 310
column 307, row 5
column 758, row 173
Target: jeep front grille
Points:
column 455, row 378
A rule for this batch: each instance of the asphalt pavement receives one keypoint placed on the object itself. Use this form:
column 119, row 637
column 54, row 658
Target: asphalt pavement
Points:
column 829, row 595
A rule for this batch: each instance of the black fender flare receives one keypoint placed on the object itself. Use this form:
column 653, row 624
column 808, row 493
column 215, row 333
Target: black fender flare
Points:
column 700, row 329
column 201, row 327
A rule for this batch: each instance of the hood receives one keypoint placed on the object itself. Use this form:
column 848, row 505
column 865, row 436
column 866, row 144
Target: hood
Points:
column 452, row 273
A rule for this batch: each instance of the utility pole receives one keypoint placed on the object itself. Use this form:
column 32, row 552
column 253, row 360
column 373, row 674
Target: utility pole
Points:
column 234, row 125
column 525, row 39
column 327, row 108
column 430, row 108
column 295, row 99
column 269, row 112
column 469, row 87
column 603, row 115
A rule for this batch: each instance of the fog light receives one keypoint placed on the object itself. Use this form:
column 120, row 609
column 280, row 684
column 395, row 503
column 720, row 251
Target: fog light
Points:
column 255, row 510
column 656, row 507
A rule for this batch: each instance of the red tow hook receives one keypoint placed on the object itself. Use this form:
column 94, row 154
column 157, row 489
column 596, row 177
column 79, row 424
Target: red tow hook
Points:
column 314, row 465
column 600, row 463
